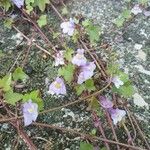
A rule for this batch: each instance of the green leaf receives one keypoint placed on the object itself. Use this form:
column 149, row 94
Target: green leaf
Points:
column 126, row 14
column 29, row 6
column 19, row 74
column 113, row 69
column 89, row 85
column 68, row 53
column 80, row 89
column 67, row 72
column 35, row 97
column 41, row 4
column 75, row 36
column 123, row 77
column 65, row 11
column 12, row 98
column 143, row 2
column 5, row 4
column 55, row 35
column 119, row 21
column 28, row 2
column 5, row 82
column 86, row 146
column 42, row 21
column 8, row 22
column 93, row 32
column 94, row 104
column 126, row 90
column 86, row 23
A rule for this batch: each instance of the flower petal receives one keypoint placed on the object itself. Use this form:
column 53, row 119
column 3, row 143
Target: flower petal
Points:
column 117, row 115
column 57, row 87
column 30, row 112
column 18, row 3
column 117, row 82
column 71, row 31
column 105, row 102
column 68, row 27
column 27, row 120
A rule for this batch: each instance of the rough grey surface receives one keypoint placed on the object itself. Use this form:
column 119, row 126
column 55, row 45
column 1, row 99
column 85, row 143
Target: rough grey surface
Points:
column 132, row 59
column 125, row 41
column 131, row 43
column 38, row 69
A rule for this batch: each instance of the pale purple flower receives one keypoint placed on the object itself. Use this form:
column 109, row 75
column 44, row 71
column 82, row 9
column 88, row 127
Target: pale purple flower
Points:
column 105, row 103
column 117, row 82
column 136, row 10
column 79, row 59
column 83, row 76
column 30, row 112
column 89, row 66
column 117, row 115
column 57, row 87
column 18, row 3
column 87, row 71
column 59, row 59
column 68, row 27
column 146, row 13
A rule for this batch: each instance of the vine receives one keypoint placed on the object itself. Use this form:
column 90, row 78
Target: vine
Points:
column 78, row 67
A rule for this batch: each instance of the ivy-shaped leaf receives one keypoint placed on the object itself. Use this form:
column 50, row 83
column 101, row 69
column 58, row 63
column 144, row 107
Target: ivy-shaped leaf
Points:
column 123, row 77
column 119, row 21
column 67, row 72
column 126, row 14
column 65, row 11
column 68, row 53
column 8, row 22
column 42, row 21
column 86, row 23
column 113, row 69
column 80, row 89
column 5, row 82
column 94, row 104
column 93, row 32
column 41, row 4
column 35, row 97
column 29, row 6
column 125, row 90
column 87, row 86
column 12, row 98
column 86, row 146
column 19, row 74
column 75, row 36
column 55, row 35
column 28, row 2
column 5, row 4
